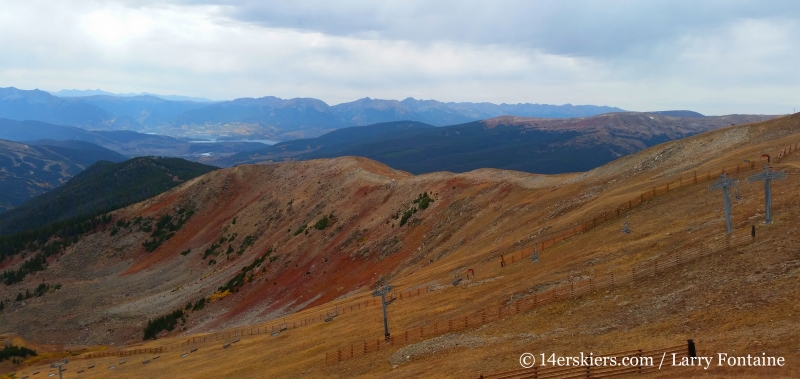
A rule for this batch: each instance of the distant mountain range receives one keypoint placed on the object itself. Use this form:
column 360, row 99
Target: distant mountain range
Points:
column 262, row 118
column 545, row 146
column 33, row 168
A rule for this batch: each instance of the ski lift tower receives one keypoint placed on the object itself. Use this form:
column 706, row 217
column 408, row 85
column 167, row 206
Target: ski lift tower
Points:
column 626, row 226
column 59, row 365
column 382, row 293
column 725, row 183
column 767, row 176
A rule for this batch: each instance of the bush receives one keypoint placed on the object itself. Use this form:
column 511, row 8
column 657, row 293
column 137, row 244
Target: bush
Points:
column 323, row 222
column 200, row 304
column 300, row 229
column 248, row 241
column 166, row 228
column 407, row 215
column 423, row 200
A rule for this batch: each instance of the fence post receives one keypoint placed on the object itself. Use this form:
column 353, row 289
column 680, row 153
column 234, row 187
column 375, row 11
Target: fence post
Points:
column 639, row 354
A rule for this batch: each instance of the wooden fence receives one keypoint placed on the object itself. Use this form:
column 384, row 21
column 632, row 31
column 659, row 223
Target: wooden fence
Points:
column 469, row 321
column 600, row 371
column 786, row 151
column 234, row 334
column 561, row 292
column 661, row 189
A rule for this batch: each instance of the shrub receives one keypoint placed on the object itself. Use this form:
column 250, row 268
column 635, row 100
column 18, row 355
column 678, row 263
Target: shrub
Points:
column 323, row 222
column 300, row 229
column 199, row 304
column 423, row 200
column 407, row 215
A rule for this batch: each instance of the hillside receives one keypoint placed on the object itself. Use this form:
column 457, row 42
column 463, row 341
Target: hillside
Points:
column 251, row 248
column 30, row 169
column 102, row 187
column 547, row 146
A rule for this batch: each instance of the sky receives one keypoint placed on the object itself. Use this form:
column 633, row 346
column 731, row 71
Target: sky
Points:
column 714, row 57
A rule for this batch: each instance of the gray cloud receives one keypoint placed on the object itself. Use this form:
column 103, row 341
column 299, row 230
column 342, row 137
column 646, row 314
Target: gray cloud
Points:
column 586, row 28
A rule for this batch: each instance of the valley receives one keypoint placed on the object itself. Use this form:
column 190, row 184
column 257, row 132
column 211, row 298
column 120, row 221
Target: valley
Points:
column 268, row 246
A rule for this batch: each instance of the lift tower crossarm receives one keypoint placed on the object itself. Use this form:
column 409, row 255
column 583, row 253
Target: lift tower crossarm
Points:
column 767, row 176
column 725, row 183
column 382, row 293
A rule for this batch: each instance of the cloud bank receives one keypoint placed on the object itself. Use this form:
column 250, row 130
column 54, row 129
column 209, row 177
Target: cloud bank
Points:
column 710, row 56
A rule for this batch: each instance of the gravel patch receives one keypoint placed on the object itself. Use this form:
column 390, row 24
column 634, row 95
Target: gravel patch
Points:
column 434, row 345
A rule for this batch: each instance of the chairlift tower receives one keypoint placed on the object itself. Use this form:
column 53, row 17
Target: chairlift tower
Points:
column 725, row 183
column 382, row 293
column 626, row 226
column 58, row 365
column 767, row 176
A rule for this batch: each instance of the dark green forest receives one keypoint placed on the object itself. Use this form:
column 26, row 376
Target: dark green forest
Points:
column 11, row 351
column 101, row 188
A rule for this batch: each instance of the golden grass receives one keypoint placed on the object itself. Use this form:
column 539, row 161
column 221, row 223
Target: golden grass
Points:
column 739, row 301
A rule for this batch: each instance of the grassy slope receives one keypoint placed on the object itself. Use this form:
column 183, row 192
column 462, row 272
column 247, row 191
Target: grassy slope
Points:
column 729, row 302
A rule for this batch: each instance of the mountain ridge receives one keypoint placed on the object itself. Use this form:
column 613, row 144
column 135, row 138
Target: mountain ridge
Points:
column 536, row 145
column 265, row 117
column 102, row 187
column 33, row 168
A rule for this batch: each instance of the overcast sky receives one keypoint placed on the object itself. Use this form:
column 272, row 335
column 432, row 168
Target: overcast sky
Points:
column 715, row 57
